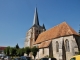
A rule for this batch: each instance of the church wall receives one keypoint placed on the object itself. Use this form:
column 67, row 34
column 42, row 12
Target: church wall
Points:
column 70, row 53
column 72, row 44
column 56, row 54
column 42, row 53
column 36, row 32
column 33, row 34
column 28, row 36
column 50, row 50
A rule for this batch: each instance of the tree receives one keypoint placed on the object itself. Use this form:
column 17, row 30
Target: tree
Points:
column 6, row 51
column 11, row 51
column 17, row 46
column 34, row 51
column 27, row 50
column 18, row 52
column 15, row 51
column 22, row 51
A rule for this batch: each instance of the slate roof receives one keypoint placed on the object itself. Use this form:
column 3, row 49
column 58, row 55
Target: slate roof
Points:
column 62, row 29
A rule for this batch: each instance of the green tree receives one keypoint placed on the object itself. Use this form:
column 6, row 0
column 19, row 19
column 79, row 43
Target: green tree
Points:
column 27, row 50
column 11, row 51
column 22, row 51
column 15, row 51
column 18, row 52
column 6, row 51
column 34, row 51
column 17, row 46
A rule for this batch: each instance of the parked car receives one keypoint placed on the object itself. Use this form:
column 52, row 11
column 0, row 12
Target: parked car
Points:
column 2, row 57
column 48, row 59
column 7, row 58
column 76, row 57
column 25, row 58
column 17, row 58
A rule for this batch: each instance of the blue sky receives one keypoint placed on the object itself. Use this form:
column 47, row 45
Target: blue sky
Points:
column 16, row 17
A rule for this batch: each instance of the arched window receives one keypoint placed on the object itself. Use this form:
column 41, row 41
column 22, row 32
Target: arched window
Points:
column 67, row 45
column 57, row 46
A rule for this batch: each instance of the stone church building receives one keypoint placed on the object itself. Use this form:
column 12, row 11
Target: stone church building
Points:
column 60, row 41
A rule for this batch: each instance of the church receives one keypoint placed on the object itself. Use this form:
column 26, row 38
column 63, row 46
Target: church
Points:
column 60, row 41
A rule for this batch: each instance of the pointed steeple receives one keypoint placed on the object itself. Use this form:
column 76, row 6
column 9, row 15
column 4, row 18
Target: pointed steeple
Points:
column 36, row 20
column 43, row 26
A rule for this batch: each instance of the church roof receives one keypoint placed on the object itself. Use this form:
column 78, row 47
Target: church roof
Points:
column 45, row 44
column 62, row 29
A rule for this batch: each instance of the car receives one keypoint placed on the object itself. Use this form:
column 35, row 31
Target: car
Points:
column 25, row 58
column 76, row 57
column 7, row 58
column 16, row 58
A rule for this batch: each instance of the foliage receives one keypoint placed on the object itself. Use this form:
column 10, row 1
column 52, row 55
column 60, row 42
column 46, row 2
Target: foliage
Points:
column 34, row 51
column 22, row 51
column 14, row 51
column 46, row 56
column 11, row 51
column 6, row 51
column 27, row 50
column 18, row 52
column 17, row 46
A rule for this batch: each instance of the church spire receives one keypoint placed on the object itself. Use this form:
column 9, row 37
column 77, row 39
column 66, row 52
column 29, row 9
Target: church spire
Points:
column 43, row 26
column 36, row 20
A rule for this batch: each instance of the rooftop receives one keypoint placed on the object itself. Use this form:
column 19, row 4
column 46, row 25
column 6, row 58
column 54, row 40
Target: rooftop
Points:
column 62, row 29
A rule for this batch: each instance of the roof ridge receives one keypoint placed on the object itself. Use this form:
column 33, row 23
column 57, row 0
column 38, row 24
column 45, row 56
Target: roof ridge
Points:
column 62, row 29
column 55, row 26
column 59, row 24
column 69, row 27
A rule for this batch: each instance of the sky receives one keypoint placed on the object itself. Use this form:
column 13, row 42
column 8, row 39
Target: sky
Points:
column 16, row 17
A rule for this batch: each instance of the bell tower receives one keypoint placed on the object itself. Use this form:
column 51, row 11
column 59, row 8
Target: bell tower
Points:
column 34, row 31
